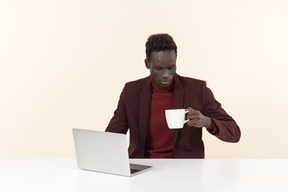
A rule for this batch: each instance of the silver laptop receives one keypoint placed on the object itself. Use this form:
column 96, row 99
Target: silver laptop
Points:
column 104, row 152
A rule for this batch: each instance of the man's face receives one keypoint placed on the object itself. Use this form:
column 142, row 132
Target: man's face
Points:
column 162, row 67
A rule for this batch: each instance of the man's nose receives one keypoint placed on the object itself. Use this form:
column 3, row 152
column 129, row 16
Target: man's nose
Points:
column 165, row 73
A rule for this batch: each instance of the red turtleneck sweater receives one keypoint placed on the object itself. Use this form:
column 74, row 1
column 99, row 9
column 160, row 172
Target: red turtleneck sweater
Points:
column 159, row 141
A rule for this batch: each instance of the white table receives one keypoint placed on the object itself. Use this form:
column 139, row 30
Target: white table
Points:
column 167, row 175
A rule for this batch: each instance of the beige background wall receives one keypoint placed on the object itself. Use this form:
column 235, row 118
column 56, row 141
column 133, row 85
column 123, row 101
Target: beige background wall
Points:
column 64, row 63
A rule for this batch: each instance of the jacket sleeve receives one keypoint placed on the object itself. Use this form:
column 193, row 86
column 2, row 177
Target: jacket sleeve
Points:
column 225, row 127
column 119, row 122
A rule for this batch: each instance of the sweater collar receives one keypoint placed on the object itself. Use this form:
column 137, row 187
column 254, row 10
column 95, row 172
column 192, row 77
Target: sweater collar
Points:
column 160, row 89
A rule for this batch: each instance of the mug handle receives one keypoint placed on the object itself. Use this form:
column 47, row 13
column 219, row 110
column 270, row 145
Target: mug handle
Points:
column 187, row 119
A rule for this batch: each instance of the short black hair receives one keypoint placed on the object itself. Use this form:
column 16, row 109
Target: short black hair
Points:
column 159, row 42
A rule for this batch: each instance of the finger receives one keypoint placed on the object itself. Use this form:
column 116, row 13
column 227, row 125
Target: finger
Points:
column 193, row 114
column 196, row 122
column 193, row 123
column 190, row 109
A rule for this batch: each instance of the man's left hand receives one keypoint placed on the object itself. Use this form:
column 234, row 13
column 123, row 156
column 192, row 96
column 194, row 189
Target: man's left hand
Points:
column 197, row 119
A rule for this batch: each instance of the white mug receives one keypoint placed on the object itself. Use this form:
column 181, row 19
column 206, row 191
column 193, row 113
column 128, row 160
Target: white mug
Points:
column 175, row 118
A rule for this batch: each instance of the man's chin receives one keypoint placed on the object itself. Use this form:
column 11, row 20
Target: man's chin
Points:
column 164, row 83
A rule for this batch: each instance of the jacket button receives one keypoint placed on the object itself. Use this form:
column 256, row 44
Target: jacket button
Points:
column 223, row 136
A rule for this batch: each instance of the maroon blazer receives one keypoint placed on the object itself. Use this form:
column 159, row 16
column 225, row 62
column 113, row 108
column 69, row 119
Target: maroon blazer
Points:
column 133, row 112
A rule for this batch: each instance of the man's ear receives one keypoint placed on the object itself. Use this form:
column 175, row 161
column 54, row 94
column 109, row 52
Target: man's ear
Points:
column 147, row 64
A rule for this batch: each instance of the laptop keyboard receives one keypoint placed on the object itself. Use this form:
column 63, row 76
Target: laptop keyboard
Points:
column 134, row 170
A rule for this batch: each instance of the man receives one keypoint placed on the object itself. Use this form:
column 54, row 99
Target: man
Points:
column 142, row 104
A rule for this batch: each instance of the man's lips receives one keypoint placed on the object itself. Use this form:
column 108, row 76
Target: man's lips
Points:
column 165, row 82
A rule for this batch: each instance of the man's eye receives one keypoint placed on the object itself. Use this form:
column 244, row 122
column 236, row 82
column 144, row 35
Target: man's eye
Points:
column 172, row 67
column 158, row 69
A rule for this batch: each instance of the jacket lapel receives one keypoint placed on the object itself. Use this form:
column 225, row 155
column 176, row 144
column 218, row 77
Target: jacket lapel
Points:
column 178, row 99
column 144, row 110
